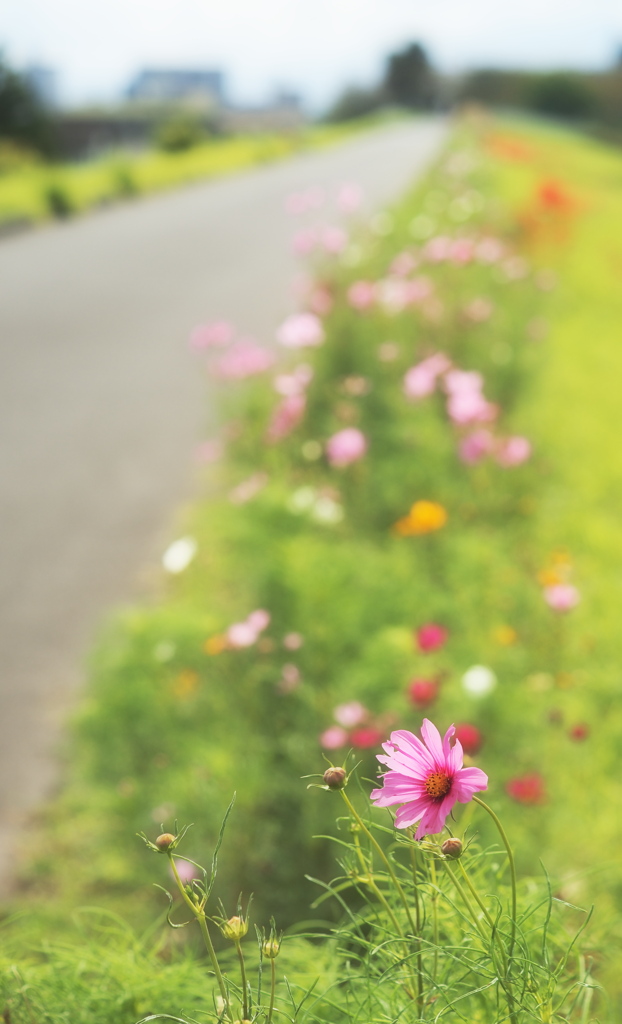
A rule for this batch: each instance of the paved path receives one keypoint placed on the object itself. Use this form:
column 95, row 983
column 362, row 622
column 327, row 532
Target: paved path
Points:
column 101, row 406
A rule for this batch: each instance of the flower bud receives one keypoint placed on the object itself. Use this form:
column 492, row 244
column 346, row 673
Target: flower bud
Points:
column 165, row 841
column 335, row 778
column 271, row 948
column 452, row 848
column 235, row 928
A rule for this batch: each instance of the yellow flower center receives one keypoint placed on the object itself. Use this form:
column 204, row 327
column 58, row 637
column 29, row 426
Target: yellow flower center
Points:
column 437, row 785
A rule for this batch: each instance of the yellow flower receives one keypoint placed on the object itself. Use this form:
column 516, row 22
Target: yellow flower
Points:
column 185, row 683
column 424, row 517
column 505, row 635
column 215, row 644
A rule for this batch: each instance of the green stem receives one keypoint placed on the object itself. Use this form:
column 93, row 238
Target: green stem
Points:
column 383, row 857
column 508, row 848
column 494, row 930
column 238, row 948
column 272, row 990
column 369, row 878
column 434, row 901
column 413, row 859
column 503, row 978
column 200, row 916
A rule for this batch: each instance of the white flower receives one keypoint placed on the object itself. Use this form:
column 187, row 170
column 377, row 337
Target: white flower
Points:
column 179, row 554
column 479, row 681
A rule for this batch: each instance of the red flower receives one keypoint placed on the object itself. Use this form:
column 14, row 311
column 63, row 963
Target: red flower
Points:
column 470, row 737
column 367, row 737
column 431, row 636
column 423, row 692
column 579, row 732
column 527, row 789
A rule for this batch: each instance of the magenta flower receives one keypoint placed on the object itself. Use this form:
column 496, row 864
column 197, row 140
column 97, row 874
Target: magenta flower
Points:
column 475, row 447
column 421, row 379
column 346, row 446
column 361, row 294
column 244, row 359
column 427, row 778
column 286, row 417
column 431, row 636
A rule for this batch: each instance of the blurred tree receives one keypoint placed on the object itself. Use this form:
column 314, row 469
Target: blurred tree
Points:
column 409, row 78
column 562, row 94
column 355, row 102
column 23, row 118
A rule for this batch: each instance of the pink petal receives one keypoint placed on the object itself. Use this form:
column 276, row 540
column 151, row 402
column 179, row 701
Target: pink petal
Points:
column 412, row 746
column 433, row 820
column 466, row 782
column 432, row 738
column 411, row 812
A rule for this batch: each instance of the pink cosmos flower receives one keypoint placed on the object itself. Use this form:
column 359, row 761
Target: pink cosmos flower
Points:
column 294, row 383
column 333, row 239
column 527, row 789
column 437, row 249
column 301, row 330
column 431, row 636
column 421, row 379
column 462, row 251
column 214, row 335
column 470, row 407
column 349, row 196
column 245, row 634
column 561, row 597
column 470, row 737
column 350, row 714
column 334, row 737
column 513, row 451
column 286, row 417
column 475, row 447
column 304, row 241
column 361, row 294
column 403, row 264
column 346, row 446
column 427, row 778
column 244, row 359
column 423, row 692
column 366, row 737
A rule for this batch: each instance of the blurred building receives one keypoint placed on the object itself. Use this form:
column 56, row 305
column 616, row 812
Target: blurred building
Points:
column 201, row 89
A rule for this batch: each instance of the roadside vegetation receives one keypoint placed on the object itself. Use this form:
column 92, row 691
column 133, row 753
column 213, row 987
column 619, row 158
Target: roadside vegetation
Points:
column 413, row 513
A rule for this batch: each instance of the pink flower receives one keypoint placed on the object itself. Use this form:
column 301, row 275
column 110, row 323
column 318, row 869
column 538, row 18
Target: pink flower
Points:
column 349, row 197
column 427, row 778
column 527, row 789
column 185, row 871
column 475, row 447
column 461, row 251
column 361, row 294
column 333, row 239
column 294, row 383
column 241, row 634
column 214, row 335
column 293, row 641
column 286, row 417
column 365, row 738
column 350, row 714
column 423, row 692
column 437, row 249
column 561, row 597
column 248, row 488
column 259, row 619
column 420, row 380
column 489, row 250
column 466, row 403
column 470, row 737
column 334, row 737
column 210, row 451
column 346, row 446
column 301, row 330
column 513, row 451
column 244, row 359
column 431, row 636
column 403, row 264
column 304, row 241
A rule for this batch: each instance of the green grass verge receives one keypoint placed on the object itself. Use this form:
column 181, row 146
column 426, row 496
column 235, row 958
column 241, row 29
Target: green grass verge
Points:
column 37, row 192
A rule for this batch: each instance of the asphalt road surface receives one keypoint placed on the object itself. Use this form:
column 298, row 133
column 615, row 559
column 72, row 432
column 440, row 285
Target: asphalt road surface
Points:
column 101, row 408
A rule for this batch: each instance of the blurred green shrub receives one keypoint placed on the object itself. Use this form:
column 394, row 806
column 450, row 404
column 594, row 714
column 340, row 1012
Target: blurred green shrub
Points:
column 58, row 201
column 179, row 132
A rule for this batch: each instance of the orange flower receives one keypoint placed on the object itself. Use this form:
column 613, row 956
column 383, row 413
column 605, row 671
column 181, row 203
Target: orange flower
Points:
column 424, row 517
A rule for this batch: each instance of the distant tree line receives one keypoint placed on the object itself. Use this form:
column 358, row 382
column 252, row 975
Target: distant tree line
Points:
column 24, row 120
column 410, row 81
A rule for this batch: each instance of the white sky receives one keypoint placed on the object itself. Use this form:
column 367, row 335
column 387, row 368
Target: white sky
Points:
column 314, row 46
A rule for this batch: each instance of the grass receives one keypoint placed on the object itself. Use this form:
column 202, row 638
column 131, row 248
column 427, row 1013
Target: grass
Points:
column 173, row 723
column 36, row 192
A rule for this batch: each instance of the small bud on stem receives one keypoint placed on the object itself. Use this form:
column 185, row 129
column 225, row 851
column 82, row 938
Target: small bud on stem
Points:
column 452, row 848
column 335, row 778
column 165, row 841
